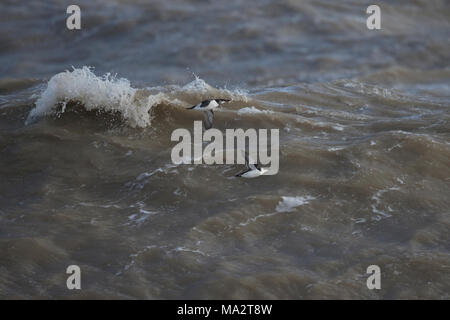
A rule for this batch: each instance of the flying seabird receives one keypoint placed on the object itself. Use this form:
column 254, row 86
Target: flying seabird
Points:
column 207, row 106
column 253, row 170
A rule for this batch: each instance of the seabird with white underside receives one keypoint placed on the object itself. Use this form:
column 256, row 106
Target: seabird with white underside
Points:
column 253, row 170
column 207, row 106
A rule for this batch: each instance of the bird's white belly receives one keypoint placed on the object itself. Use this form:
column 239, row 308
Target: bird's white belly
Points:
column 251, row 174
column 212, row 105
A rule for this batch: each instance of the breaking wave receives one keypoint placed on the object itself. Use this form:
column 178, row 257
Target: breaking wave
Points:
column 109, row 93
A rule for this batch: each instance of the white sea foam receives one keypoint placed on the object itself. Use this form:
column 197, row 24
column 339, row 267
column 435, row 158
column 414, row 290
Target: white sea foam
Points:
column 252, row 109
column 107, row 93
column 288, row 204
column 199, row 87
column 377, row 205
column 112, row 94
column 141, row 216
column 333, row 149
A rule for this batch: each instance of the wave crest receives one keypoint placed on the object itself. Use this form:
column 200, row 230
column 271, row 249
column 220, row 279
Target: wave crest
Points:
column 111, row 94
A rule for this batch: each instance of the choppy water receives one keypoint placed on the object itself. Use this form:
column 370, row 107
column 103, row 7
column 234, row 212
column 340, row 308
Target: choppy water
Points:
column 86, row 176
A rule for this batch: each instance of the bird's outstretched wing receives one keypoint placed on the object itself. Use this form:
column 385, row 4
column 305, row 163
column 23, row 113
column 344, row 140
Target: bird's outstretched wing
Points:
column 192, row 107
column 202, row 104
column 205, row 103
column 249, row 165
column 209, row 117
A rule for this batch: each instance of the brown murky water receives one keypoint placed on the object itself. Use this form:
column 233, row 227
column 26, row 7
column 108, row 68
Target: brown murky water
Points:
column 86, row 176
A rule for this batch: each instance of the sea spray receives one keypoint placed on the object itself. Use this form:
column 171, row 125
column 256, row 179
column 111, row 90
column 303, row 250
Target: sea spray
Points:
column 112, row 94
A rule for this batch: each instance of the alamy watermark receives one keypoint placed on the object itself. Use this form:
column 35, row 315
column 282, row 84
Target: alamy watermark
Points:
column 74, row 280
column 374, row 280
column 214, row 152
column 73, row 22
column 373, row 22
